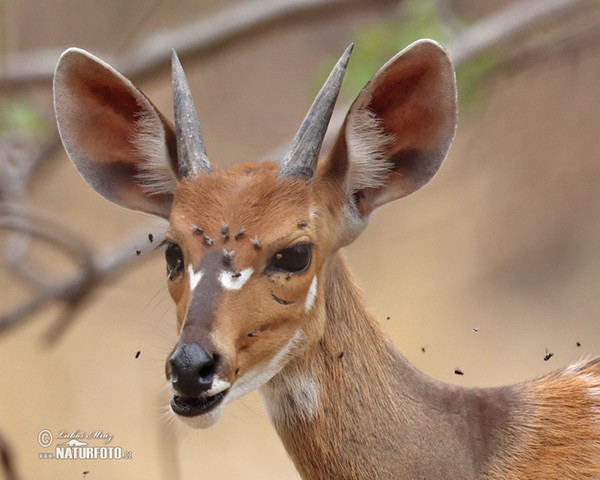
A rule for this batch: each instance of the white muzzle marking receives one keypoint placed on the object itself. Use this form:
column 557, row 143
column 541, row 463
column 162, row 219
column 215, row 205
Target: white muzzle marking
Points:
column 194, row 277
column 234, row 281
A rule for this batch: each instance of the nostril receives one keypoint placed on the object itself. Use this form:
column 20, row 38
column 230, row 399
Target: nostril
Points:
column 209, row 368
column 192, row 369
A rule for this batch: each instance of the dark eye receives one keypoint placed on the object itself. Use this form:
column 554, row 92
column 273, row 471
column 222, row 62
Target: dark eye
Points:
column 174, row 259
column 295, row 259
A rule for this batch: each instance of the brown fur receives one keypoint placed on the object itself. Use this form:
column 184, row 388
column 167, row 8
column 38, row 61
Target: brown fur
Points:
column 560, row 425
column 380, row 418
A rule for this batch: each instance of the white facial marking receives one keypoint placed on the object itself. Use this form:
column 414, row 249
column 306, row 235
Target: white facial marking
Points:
column 234, row 281
column 312, row 212
column 261, row 374
column 311, row 295
column 194, row 277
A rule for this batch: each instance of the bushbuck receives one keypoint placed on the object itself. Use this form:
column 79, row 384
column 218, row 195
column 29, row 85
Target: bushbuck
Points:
column 265, row 300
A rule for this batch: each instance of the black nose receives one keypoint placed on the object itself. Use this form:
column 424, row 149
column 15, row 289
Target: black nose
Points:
column 192, row 369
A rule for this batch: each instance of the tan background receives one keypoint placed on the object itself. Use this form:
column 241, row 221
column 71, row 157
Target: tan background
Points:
column 505, row 239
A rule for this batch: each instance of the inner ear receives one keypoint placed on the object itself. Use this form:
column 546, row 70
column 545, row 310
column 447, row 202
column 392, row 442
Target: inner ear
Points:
column 411, row 116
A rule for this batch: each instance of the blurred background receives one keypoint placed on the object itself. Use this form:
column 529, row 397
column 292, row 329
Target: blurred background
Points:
column 488, row 269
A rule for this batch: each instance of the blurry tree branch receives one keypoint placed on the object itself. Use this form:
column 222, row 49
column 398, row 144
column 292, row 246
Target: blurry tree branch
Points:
column 199, row 39
column 92, row 269
column 507, row 24
column 7, row 464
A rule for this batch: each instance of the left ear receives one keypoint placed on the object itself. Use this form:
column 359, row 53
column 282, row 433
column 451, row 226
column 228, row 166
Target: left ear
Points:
column 398, row 130
column 120, row 143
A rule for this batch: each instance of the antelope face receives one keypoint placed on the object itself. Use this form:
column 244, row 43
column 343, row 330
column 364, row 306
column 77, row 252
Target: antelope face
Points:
column 242, row 249
column 243, row 261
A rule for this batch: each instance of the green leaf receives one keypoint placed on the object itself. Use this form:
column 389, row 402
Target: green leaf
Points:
column 20, row 116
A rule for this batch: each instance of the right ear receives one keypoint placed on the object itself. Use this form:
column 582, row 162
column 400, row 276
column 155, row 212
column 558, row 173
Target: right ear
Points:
column 398, row 130
column 120, row 143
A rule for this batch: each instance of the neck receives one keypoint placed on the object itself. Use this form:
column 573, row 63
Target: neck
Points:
column 353, row 407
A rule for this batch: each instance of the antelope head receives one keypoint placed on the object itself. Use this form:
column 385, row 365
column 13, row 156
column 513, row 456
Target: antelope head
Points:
column 247, row 247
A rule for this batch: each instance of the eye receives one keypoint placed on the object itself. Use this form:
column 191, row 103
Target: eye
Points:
column 295, row 259
column 174, row 258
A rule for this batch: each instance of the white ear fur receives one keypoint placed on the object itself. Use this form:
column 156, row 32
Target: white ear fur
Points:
column 156, row 173
column 367, row 144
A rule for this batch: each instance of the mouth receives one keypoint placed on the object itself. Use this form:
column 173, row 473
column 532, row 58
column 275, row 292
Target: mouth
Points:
column 193, row 407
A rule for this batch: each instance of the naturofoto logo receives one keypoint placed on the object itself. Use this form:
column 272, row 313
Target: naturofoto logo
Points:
column 78, row 444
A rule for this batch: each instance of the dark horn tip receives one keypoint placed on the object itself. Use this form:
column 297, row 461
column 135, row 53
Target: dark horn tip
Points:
column 348, row 51
column 344, row 59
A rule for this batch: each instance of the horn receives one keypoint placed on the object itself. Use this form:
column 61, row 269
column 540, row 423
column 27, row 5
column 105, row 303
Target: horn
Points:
column 301, row 159
column 191, row 153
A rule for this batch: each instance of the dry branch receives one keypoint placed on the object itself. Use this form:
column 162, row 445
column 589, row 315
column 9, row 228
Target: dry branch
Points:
column 7, row 464
column 199, row 39
column 91, row 270
column 507, row 24
column 78, row 288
